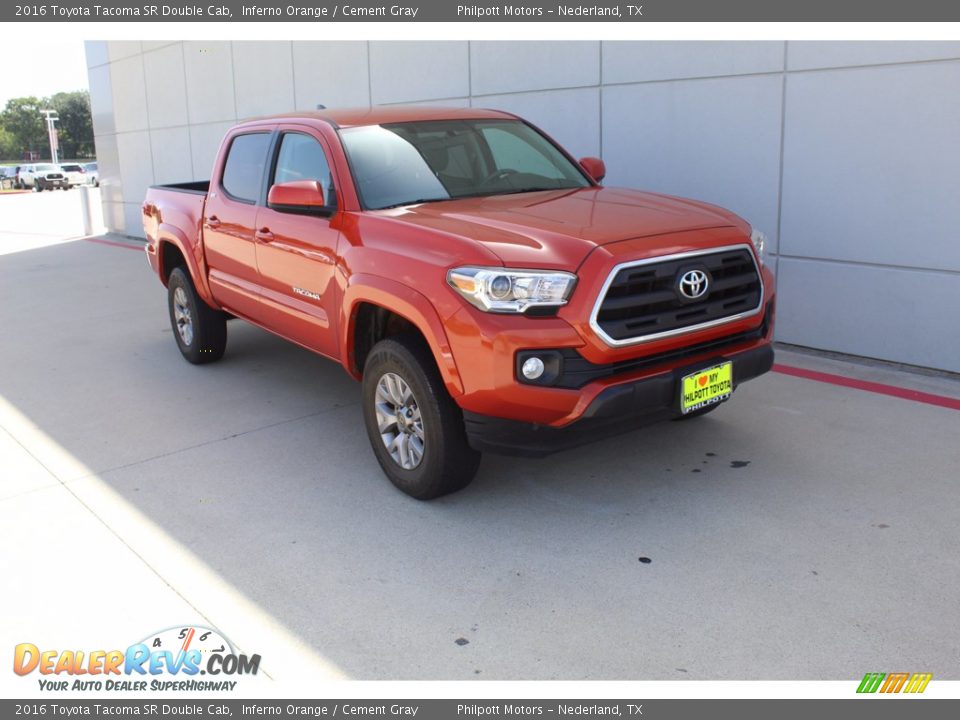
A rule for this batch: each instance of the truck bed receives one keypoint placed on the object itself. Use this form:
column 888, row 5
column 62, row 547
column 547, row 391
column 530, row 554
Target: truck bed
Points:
column 198, row 187
column 173, row 208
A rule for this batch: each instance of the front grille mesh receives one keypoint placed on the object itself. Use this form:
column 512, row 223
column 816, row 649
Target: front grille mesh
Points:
column 644, row 300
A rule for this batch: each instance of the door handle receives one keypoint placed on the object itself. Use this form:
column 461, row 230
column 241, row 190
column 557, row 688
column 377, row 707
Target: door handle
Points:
column 263, row 235
column 213, row 222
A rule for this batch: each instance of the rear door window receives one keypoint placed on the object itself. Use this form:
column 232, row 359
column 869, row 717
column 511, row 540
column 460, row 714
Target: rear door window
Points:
column 243, row 170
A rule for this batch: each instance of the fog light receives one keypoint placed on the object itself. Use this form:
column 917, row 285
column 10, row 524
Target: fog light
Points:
column 532, row 368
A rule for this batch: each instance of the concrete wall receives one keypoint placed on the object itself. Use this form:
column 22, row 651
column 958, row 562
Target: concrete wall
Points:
column 844, row 153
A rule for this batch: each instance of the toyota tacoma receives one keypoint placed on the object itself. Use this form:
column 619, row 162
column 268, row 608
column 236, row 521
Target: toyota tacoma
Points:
column 485, row 288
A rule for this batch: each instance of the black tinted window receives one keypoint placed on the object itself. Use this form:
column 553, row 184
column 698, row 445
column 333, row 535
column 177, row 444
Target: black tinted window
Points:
column 243, row 171
column 302, row 158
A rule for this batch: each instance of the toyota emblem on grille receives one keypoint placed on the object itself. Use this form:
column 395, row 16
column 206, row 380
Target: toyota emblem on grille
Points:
column 693, row 284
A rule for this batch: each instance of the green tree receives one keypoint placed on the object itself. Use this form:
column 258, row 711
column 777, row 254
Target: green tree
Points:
column 75, row 124
column 22, row 120
column 8, row 147
column 23, row 127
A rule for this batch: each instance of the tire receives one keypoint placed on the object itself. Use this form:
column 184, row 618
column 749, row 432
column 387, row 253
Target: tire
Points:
column 446, row 463
column 698, row 413
column 37, row 187
column 200, row 331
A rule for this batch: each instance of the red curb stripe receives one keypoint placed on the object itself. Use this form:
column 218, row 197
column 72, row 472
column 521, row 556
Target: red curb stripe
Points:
column 111, row 243
column 874, row 387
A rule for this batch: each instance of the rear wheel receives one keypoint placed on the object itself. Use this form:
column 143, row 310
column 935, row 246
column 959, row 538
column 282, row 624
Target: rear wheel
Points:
column 200, row 331
column 414, row 426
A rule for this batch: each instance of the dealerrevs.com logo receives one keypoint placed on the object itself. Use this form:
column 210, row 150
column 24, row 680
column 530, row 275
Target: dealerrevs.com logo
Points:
column 171, row 659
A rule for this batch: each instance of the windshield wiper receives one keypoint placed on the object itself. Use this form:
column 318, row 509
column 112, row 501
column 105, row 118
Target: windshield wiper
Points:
column 418, row 201
column 533, row 189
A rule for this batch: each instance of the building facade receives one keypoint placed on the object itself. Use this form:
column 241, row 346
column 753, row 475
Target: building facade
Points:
column 844, row 153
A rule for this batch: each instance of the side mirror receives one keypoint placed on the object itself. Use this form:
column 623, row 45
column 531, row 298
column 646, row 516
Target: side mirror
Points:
column 300, row 197
column 595, row 167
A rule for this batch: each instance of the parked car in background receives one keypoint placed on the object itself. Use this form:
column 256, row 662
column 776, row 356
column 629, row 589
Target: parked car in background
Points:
column 8, row 177
column 93, row 174
column 26, row 174
column 43, row 176
column 75, row 174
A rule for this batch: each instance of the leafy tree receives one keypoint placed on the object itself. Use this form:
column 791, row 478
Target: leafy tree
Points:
column 75, row 125
column 8, row 146
column 23, row 128
column 23, row 121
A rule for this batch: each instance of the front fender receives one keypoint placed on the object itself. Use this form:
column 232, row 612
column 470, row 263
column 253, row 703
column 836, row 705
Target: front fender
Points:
column 409, row 304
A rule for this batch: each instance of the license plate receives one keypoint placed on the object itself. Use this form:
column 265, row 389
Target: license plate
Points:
column 706, row 387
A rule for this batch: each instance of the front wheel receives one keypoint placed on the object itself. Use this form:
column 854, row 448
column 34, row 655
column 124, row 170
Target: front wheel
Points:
column 414, row 426
column 200, row 331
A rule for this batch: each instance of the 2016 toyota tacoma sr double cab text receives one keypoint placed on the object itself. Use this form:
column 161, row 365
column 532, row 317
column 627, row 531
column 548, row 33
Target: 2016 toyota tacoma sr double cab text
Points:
column 488, row 292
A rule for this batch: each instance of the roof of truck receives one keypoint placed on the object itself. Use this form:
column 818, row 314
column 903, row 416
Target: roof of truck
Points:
column 353, row 117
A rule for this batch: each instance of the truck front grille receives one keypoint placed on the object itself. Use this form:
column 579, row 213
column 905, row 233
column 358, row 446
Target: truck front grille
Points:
column 643, row 301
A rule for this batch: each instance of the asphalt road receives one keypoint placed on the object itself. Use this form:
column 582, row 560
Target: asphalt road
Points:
column 803, row 531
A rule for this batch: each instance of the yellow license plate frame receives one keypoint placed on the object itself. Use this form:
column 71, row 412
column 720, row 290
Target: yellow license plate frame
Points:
column 706, row 387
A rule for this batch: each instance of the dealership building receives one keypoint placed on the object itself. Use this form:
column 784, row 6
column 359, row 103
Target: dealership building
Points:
column 845, row 154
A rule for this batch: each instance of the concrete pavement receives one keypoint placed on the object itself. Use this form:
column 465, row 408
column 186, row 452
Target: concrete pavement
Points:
column 37, row 219
column 802, row 531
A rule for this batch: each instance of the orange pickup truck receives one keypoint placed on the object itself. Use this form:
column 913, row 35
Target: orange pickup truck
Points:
column 483, row 286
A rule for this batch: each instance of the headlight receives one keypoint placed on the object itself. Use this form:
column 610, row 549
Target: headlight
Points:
column 759, row 240
column 502, row 290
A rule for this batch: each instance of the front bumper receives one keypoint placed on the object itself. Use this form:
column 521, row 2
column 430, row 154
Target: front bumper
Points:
column 618, row 408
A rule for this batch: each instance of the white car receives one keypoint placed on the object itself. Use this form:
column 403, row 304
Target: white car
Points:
column 43, row 176
column 93, row 174
column 75, row 174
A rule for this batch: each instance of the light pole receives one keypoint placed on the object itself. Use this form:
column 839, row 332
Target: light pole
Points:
column 51, row 116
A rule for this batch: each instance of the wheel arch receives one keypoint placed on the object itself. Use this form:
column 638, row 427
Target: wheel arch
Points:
column 369, row 296
column 172, row 242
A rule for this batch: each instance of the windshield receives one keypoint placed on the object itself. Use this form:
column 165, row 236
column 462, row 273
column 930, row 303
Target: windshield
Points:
column 47, row 168
column 413, row 162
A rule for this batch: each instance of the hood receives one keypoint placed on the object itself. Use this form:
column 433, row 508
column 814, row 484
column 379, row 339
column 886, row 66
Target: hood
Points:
column 557, row 229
